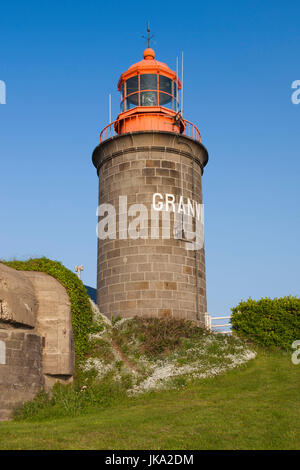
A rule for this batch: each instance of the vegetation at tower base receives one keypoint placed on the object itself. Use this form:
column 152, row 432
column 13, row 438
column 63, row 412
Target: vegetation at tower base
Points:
column 133, row 356
column 268, row 322
column 82, row 318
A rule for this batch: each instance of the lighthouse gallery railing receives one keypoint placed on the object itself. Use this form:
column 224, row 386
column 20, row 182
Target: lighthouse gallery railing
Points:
column 112, row 129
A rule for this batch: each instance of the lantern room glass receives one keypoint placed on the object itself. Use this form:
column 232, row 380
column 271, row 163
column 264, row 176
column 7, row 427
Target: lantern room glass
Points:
column 148, row 98
column 165, row 84
column 148, row 81
column 132, row 85
column 149, row 90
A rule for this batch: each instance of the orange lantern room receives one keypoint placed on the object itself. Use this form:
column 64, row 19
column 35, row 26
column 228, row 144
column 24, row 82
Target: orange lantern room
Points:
column 149, row 100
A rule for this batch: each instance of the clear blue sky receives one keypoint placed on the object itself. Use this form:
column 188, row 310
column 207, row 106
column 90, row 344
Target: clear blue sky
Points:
column 61, row 59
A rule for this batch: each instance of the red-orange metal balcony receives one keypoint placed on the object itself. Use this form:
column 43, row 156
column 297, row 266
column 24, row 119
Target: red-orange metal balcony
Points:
column 156, row 121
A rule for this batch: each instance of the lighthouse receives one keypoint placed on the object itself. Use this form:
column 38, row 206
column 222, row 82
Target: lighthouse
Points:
column 150, row 162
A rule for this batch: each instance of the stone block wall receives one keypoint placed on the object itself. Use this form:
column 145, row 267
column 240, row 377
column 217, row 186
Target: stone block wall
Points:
column 21, row 374
column 150, row 277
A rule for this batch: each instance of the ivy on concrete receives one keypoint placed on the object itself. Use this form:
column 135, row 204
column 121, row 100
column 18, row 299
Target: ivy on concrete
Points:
column 82, row 317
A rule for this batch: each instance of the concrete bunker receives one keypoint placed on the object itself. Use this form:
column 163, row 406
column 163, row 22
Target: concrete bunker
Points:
column 36, row 336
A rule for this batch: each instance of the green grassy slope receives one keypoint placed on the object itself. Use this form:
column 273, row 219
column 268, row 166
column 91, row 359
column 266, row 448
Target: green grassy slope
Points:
column 256, row 406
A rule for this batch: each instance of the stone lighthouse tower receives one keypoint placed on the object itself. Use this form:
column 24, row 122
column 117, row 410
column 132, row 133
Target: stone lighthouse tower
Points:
column 150, row 163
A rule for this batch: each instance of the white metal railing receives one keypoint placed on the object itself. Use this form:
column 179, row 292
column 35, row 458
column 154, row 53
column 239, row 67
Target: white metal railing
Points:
column 209, row 322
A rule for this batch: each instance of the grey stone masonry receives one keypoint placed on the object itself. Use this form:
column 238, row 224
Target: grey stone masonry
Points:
column 150, row 276
column 21, row 376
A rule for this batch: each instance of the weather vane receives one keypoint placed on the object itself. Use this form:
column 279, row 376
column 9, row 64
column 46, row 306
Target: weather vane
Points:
column 149, row 37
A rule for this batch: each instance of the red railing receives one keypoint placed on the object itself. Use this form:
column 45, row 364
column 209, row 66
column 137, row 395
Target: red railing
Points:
column 109, row 131
column 191, row 130
column 114, row 127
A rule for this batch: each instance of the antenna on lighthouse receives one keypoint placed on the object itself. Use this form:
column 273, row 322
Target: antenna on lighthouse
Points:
column 177, row 94
column 109, row 107
column 182, row 83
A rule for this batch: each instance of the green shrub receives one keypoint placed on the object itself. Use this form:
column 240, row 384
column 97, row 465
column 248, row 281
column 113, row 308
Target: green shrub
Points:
column 268, row 322
column 82, row 317
column 156, row 336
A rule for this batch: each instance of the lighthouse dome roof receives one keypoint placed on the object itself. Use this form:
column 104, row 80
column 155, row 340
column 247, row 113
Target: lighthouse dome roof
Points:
column 148, row 65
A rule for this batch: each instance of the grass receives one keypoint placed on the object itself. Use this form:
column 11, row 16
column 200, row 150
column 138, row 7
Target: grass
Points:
column 255, row 406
